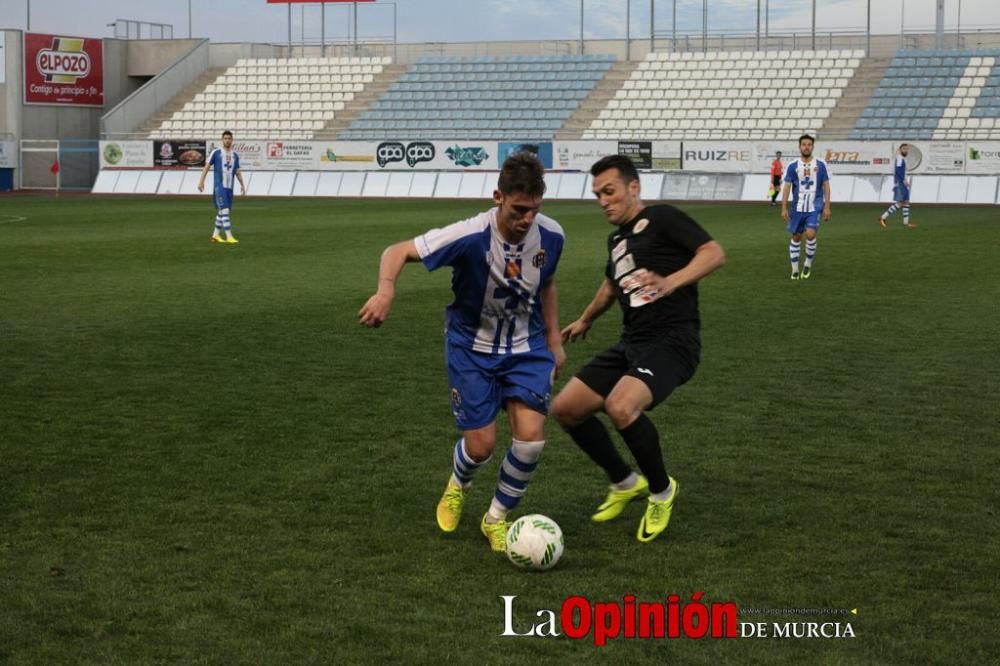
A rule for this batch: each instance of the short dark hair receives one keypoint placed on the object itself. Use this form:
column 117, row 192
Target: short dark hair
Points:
column 522, row 173
column 903, row 144
column 778, row 153
column 807, row 136
column 624, row 165
column 225, row 133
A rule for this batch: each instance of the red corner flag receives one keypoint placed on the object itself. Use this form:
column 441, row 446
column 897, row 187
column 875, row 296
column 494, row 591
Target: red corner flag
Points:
column 55, row 167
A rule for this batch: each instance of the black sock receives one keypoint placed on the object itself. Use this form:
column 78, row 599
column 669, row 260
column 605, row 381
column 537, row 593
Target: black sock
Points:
column 644, row 442
column 593, row 438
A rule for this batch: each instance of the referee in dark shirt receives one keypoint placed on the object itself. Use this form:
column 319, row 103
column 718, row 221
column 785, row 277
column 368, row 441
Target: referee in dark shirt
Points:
column 656, row 255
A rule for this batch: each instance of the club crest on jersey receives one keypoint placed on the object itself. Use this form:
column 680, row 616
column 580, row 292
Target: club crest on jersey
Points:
column 539, row 259
column 640, row 225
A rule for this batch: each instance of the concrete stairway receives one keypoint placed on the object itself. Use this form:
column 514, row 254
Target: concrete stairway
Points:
column 596, row 101
column 177, row 103
column 361, row 101
column 856, row 96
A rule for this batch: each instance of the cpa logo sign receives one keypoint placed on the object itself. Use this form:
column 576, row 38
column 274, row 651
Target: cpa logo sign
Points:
column 414, row 153
column 65, row 62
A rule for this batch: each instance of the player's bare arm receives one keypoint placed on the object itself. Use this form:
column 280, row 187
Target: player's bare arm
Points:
column 707, row 258
column 239, row 177
column 204, row 172
column 826, row 200
column 784, row 201
column 550, row 315
column 603, row 300
column 376, row 309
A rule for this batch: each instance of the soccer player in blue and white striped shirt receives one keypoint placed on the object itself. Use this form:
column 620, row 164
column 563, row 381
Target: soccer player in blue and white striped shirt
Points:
column 503, row 343
column 226, row 165
column 808, row 179
column 900, row 190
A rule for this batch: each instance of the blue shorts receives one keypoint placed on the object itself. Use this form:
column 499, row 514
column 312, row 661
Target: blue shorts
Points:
column 481, row 384
column 799, row 222
column 223, row 198
column 900, row 192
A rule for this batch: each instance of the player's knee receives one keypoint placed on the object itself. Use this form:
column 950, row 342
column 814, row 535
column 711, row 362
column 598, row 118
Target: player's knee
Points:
column 621, row 411
column 796, row 237
column 479, row 446
column 565, row 412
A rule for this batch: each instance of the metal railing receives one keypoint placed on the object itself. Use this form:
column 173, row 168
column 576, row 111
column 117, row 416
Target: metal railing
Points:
column 131, row 29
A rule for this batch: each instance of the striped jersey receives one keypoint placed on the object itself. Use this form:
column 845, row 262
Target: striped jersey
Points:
column 225, row 164
column 900, row 171
column 807, row 180
column 497, row 307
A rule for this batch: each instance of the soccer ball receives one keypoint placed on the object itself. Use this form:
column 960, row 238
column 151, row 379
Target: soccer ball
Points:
column 534, row 542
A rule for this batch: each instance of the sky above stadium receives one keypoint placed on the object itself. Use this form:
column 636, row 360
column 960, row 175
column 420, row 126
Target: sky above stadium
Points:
column 482, row 20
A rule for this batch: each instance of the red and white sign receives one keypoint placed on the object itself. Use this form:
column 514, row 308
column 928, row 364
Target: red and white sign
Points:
column 63, row 70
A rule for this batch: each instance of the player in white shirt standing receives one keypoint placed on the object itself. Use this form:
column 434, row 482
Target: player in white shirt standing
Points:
column 503, row 344
column 808, row 180
column 226, row 164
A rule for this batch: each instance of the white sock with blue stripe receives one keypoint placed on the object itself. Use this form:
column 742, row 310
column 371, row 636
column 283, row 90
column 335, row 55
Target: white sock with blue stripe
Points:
column 890, row 210
column 793, row 254
column 464, row 468
column 226, row 226
column 515, row 473
column 218, row 225
column 906, row 214
column 811, row 251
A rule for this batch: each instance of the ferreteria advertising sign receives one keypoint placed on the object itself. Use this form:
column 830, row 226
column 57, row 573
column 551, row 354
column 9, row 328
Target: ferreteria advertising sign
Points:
column 63, row 70
column 983, row 157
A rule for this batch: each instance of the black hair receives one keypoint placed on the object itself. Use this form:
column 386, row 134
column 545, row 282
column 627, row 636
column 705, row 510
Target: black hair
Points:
column 624, row 165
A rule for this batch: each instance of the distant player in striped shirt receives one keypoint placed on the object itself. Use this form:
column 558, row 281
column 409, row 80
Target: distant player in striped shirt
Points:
column 502, row 340
column 808, row 180
column 900, row 190
column 226, row 164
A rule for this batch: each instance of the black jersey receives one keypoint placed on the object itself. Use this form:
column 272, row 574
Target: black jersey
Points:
column 661, row 239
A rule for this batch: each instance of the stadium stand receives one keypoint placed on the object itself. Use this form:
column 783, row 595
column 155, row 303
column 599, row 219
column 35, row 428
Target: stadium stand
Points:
column 935, row 94
column 516, row 97
column 727, row 95
column 263, row 98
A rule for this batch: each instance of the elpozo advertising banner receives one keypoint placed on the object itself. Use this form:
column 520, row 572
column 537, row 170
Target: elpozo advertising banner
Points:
column 983, row 157
column 126, row 154
column 63, row 70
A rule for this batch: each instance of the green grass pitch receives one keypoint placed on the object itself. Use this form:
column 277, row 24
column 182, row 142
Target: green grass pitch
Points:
column 205, row 459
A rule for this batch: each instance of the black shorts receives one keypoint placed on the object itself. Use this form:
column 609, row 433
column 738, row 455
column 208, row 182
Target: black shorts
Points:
column 775, row 180
column 662, row 364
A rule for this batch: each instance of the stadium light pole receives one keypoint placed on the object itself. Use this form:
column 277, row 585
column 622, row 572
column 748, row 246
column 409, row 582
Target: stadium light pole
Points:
column 189, row 19
column 322, row 29
column 652, row 25
column 814, row 26
column 581, row 27
column 758, row 25
column 628, row 29
column 868, row 30
column 704, row 25
column 29, row 16
column 673, row 39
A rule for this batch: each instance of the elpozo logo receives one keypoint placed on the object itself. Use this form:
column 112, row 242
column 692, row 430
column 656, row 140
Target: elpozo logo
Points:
column 65, row 62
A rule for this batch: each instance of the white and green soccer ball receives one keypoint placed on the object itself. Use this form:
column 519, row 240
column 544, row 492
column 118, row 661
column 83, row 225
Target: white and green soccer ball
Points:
column 534, row 542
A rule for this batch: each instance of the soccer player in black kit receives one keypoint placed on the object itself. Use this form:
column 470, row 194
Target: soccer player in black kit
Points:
column 656, row 255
